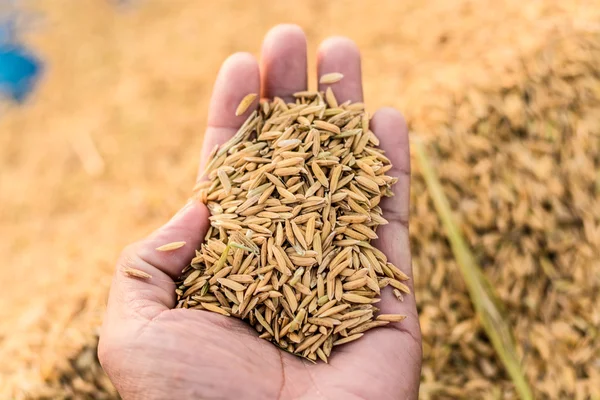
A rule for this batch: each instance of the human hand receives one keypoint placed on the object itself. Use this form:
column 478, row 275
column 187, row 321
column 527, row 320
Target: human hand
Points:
column 151, row 350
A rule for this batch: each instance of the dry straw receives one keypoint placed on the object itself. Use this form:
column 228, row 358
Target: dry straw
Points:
column 518, row 164
column 294, row 200
column 483, row 296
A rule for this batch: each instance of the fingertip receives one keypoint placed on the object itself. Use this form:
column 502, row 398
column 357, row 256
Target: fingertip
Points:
column 338, row 45
column 239, row 58
column 390, row 115
column 189, row 225
column 288, row 31
column 285, row 40
column 284, row 61
column 239, row 76
column 188, row 216
column 341, row 54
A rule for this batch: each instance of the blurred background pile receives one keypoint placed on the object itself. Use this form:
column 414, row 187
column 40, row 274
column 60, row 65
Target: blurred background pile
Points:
column 505, row 96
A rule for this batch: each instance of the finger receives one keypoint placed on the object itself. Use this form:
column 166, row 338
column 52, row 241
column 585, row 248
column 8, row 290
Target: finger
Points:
column 284, row 62
column 238, row 77
column 146, row 297
column 394, row 350
column 391, row 357
column 390, row 127
column 340, row 54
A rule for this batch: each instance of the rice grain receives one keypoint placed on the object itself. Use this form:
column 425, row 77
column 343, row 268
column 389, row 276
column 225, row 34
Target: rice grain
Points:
column 294, row 201
column 171, row 246
column 330, row 78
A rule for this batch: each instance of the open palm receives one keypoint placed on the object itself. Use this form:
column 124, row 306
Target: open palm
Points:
column 151, row 350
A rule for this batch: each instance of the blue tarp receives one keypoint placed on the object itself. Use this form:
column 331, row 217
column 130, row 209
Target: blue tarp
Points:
column 19, row 67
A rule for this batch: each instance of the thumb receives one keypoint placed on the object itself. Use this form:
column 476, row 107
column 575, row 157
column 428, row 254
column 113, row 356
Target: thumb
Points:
column 135, row 295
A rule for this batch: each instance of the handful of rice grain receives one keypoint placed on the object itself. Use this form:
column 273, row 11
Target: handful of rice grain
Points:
column 294, row 201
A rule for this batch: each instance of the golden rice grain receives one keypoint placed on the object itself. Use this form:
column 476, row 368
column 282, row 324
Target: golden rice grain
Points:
column 331, row 77
column 391, row 317
column 348, row 339
column 215, row 308
column 235, row 286
column 136, row 273
column 399, row 285
column 245, row 103
column 366, row 326
column 354, row 298
column 171, row 246
column 294, row 201
column 331, row 100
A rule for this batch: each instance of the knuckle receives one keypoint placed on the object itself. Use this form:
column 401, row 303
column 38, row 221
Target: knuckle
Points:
column 128, row 256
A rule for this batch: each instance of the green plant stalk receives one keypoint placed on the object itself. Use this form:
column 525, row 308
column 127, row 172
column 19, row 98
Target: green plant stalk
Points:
column 485, row 300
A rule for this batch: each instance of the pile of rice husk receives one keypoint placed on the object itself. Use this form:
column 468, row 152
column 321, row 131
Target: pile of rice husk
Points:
column 521, row 168
column 520, row 164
